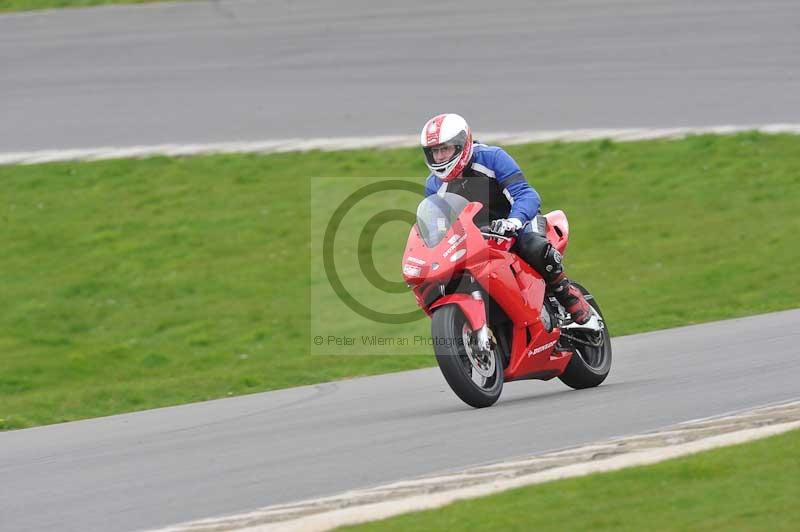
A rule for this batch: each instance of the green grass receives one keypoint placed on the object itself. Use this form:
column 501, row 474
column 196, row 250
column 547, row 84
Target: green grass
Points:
column 29, row 5
column 752, row 486
column 133, row 284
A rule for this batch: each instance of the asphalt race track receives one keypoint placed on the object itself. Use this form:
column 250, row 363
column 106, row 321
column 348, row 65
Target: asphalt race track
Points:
column 276, row 69
column 164, row 466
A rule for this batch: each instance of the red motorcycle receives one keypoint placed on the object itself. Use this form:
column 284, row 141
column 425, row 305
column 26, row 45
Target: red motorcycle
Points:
column 493, row 320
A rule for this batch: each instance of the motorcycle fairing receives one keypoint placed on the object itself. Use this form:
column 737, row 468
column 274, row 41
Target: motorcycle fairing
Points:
column 473, row 309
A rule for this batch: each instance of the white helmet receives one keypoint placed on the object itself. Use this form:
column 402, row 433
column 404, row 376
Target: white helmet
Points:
column 451, row 130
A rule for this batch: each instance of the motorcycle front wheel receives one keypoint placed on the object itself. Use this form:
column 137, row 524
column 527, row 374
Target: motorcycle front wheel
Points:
column 475, row 376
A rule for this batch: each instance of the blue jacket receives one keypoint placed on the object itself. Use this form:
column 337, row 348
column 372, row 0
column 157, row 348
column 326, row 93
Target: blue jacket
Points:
column 495, row 179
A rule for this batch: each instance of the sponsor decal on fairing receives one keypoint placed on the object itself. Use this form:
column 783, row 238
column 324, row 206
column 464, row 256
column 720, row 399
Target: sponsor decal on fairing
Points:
column 541, row 348
column 455, row 244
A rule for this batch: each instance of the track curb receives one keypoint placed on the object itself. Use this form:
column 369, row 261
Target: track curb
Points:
column 375, row 142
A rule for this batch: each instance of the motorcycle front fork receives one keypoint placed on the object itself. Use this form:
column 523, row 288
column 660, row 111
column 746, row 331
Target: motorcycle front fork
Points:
column 482, row 334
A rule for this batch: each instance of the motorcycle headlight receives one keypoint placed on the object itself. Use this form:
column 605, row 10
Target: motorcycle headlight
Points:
column 411, row 270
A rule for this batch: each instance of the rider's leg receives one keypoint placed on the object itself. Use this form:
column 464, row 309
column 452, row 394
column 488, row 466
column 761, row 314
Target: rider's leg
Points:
column 534, row 248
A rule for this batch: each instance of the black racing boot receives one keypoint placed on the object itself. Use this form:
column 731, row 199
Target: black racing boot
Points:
column 572, row 299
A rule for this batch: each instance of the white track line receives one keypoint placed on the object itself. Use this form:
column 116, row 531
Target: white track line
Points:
column 391, row 141
column 381, row 502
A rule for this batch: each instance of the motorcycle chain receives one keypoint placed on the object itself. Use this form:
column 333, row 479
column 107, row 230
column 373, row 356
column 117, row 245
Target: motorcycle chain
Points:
column 584, row 342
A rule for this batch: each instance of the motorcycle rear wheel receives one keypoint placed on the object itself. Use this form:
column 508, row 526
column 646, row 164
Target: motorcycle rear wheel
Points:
column 475, row 377
column 589, row 366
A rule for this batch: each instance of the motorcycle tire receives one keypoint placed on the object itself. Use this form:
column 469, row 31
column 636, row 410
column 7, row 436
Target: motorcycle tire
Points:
column 455, row 358
column 589, row 366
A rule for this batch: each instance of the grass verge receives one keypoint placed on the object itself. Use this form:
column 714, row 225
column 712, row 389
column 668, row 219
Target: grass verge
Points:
column 133, row 284
column 751, row 486
column 30, row 5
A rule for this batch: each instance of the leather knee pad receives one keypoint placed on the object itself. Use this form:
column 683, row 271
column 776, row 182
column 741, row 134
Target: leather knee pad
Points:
column 536, row 250
column 553, row 270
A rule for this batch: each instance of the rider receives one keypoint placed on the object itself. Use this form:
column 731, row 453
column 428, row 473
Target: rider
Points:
column 489, row 175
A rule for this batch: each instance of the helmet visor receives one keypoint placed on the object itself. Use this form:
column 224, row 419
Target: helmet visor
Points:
column 458, row 142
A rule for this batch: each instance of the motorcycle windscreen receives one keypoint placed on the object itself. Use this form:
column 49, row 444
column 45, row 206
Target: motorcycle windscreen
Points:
column 436, row 214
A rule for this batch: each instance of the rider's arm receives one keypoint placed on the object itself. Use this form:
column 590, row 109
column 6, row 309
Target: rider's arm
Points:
column 524, row 199
column 432, row 185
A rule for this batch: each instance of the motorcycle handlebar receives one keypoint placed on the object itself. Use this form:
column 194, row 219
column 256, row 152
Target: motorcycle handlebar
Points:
column 487, row 232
